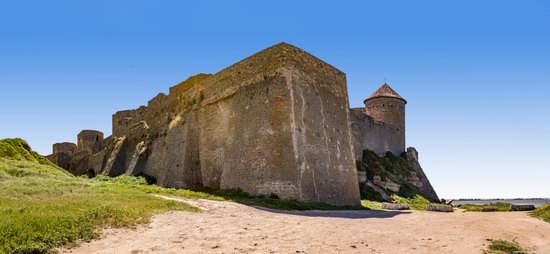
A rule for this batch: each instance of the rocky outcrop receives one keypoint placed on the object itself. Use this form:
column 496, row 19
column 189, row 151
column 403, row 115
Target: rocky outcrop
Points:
column 390, row 174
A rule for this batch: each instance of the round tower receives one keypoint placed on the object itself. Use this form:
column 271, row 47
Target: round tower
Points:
column 89, row 139
column 387, row 106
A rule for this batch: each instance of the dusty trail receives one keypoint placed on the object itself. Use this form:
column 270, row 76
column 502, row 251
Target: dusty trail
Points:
column 226, row 227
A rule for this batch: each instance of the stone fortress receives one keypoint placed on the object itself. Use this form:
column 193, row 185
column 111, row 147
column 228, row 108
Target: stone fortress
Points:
column 276, row 123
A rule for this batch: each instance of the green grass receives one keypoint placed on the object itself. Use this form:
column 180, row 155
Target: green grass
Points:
column 542, row 212
column 372, row 205
column 499, row 207
column 417, row 202
column 42, row 207
column 505, row 247
column 19, row 149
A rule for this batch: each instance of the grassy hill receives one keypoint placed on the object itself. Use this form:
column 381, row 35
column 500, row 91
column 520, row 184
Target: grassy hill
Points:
column 19, row 149
column 43, row 207
column 542, row 212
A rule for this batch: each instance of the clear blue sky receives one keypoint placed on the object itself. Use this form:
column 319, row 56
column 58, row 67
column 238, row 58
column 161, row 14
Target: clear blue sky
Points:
column 476, row 73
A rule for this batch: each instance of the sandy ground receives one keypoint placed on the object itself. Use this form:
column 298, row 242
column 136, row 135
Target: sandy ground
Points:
column 226, row 227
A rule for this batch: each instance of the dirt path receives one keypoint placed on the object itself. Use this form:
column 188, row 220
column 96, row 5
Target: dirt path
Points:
column 226, row 227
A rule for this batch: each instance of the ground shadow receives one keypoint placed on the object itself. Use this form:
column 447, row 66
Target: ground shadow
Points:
column 346, row 214
column 274, row 204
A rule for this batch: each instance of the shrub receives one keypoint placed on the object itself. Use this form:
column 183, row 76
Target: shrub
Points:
column 542, row 212
column 505, row 247
column 497, row 207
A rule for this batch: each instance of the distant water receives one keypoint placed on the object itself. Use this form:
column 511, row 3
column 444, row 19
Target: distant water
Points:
column 536, row 202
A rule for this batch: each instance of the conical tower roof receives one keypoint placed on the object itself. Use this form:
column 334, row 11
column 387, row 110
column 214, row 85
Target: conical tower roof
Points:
column 385, row 91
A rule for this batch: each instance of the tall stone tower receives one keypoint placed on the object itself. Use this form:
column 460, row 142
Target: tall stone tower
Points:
column 388, row 107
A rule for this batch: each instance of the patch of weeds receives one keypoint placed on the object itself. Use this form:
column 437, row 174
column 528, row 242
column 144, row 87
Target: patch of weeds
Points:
column 505, row 247
column 542, row 212
column 492, row 207
column 417, row 202
column 372, row 205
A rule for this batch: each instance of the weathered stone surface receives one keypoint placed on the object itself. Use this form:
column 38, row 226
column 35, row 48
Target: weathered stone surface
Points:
column 66, row 147
column 79, row 163
column 394, row 206
column 90, row 139
column 386, row 184
column 522, row 208
column 296, row 142
column 115, row 163
column 440, row 208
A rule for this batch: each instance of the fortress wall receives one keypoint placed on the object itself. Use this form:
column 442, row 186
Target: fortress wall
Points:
column 321, row 134
column 246, row 144
column 180, row 166
column 276, row 122
column 161, row 139
column 66, row 147
column 122, row 120
column 183, row 87
column 374, row 136
column 381, row 138
column 255, row 122
column 61, row 159
column 358, row 129
column 223, row 117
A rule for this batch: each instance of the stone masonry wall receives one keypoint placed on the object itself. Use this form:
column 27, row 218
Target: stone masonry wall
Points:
column 375, row 136
column 255, row 127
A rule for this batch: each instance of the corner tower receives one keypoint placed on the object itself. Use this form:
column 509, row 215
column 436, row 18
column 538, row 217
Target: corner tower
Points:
column 388, row 107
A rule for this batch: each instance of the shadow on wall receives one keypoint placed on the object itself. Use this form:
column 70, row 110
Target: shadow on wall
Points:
column 346, row 214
